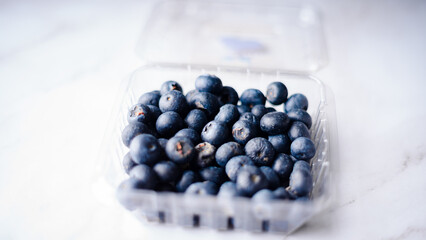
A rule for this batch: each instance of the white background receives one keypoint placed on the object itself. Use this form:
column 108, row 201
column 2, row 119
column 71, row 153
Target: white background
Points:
column 62, row 62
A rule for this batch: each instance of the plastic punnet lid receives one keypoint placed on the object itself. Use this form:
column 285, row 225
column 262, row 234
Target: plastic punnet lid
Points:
column 242, row 35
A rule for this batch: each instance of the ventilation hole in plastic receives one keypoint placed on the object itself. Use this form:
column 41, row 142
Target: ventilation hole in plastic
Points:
column 230, row 224
column 162, row 217
column 265, row 225
column 196, row 221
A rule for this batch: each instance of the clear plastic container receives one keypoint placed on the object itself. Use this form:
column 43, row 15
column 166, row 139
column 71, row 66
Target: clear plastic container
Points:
column 246, row 67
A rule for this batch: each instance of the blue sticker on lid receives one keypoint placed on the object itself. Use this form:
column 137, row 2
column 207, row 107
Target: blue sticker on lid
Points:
column 243, row 46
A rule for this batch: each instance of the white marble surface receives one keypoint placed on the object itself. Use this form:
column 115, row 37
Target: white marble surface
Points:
column 61, row 64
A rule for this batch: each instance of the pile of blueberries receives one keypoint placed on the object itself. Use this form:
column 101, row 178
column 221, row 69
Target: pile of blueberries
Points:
column 205, row 143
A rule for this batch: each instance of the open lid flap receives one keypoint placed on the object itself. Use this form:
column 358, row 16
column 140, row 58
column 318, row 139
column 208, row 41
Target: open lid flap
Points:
column 242, row 35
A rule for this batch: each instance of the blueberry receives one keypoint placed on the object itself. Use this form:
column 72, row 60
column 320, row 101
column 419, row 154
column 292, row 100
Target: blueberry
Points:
column 291, row 194
column 166, row 187
column 128, row 163
column 155, row 112
column 302, row 148
column 174, row 101
column 180, row 150
column 260, row 151
column 168, row 124
column 186, row 166
column 228, row 95
column 281, row 193
column 276, row 93
column 243, row 109
column 208, row 83
column 228, row 114
column 298, row 129
column 264, row 195
column 283, row 165
column 189, row 133
column 146, row 177
column 243, row 131
column 131, row 184
column 139, row 113
column 190, row 96
column 250, row 180
column 196, row 119
column 169, row 86
column 132, row 130
column 280, row 142
column 270, row 109
column 271, row 176
column 302, row 199
column 188, row 178
column 300, row 115
column 302, row 165
column 215, row 133
column 228, row 151
column 205, row 154
column 150, row 98
column 145, row 149
column 234, row 165
column 296, row 101
column 202, row 188
column 259, row 111
column 252, row 97
column 228, row 190
column 274, row 123
column 167, row 171
column 248, row 116
column 163, row 143
column 213, row 174
column 301, row 182
column 207, row 102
